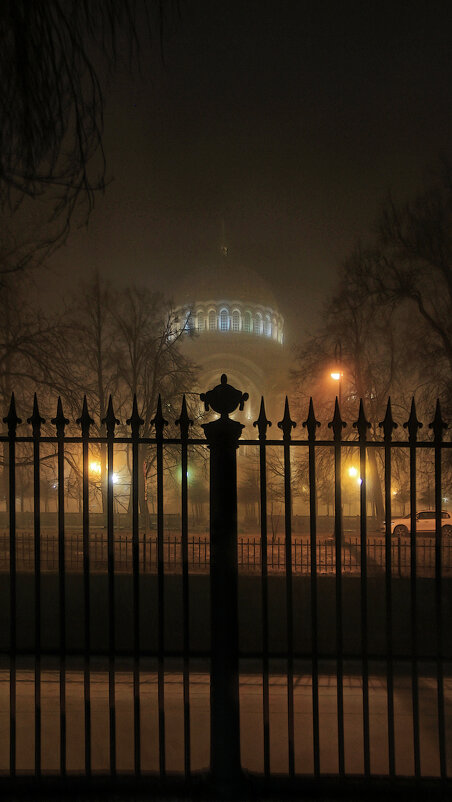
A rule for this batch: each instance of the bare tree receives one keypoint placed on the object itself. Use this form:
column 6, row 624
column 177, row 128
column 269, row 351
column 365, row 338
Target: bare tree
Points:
column 125, row 343
column 53, row 63
column 367, row 332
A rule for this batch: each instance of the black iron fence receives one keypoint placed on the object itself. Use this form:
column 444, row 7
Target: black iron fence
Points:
column 275, row 685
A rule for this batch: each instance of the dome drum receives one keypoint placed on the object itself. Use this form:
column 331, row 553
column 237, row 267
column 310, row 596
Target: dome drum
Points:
column 234, row 317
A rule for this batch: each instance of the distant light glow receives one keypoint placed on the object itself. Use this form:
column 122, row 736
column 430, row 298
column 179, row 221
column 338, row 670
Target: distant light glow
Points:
column 115, row 478
column 95, row 467
column 336, row 375
column 352, row 471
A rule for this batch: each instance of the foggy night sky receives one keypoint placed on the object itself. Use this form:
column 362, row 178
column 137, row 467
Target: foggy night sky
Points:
column 290, row 120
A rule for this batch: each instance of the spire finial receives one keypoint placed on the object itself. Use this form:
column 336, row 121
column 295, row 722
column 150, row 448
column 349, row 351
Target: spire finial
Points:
column 223, row 246
column 135, row 421
column 262, row 422
column 59, row 420
column 36, row 418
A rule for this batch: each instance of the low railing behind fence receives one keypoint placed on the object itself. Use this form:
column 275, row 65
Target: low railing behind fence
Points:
column 249, row 555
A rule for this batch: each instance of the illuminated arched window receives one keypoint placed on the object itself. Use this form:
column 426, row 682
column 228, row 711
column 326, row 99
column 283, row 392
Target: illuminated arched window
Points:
column 268, row 326
column 258, row 323
column 236, row 320
column 274, row 329
column 212, row 320
column 247, row 322
column 224, row 320
column 200, row 320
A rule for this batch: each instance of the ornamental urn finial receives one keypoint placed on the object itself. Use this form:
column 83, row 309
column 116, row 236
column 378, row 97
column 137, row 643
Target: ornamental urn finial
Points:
column 224, row 398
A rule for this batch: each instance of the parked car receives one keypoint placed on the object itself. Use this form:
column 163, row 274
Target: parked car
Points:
column 425, row 522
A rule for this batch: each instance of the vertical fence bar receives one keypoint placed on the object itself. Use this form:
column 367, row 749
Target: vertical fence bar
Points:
column 413, row 425
column 438, row 425
column 135, row 422
column 85, row 422
column 60, row 422
column 36, row 422
column 184, row 422
column 362, row 425
column 111, row 421
column 159, row 422
column 286, row 425
column 312, row 424
column 337, row 424
column 262, row 424
column 12, row 421
column 388, row 425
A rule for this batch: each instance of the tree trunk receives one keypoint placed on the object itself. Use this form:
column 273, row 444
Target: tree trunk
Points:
column 375, row 485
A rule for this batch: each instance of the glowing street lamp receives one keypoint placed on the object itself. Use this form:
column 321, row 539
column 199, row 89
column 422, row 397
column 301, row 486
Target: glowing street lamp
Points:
column 337, row 373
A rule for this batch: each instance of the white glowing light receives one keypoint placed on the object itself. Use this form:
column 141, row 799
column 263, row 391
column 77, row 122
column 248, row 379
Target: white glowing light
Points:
column 336, row 376
column 352, row 472
column 95, row 467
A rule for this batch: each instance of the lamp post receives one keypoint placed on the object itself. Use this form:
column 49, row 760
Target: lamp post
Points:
column 337, row 373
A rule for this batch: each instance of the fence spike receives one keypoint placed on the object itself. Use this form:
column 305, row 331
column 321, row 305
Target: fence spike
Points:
column 262, row 422
column 35, row 419
column 337, row 424
column 183, row 420
column 362, row 424
column 438, row 424
column 110, row 420
column 11, row 418
column 388, row 424
column 85, row 420
column 159, row 421
column 135, row 421
column 412, row 424
column 59, row 420
column 311, row 424
column 286, row 424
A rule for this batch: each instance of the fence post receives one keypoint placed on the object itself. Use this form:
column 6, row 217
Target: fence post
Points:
column 222, row 436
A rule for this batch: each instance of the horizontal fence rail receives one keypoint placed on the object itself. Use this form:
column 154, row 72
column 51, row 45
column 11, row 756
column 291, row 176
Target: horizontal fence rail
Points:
column 109, row 641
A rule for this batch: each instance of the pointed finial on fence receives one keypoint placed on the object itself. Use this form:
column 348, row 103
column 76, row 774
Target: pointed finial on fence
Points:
column 311, row 424
column 262, row 422
column 135, row 421
column 59, row 420
column 412, row 424
column 438, row 424
column 110, row 420
column 11, row 418
column 337, row 424
column 388, row 424
column 159, row 421
column 362, row 424
column 35, row 418
column 286, row 424
column 85, row 420
column 183, row 420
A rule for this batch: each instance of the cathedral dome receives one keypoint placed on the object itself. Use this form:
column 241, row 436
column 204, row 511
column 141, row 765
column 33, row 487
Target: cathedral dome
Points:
column 223, row 279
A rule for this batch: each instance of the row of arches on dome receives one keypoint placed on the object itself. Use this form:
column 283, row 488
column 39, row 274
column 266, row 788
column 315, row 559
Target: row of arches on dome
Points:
column 235, row 320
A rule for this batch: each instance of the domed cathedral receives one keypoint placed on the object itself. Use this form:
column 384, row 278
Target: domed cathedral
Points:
column 234, row 326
